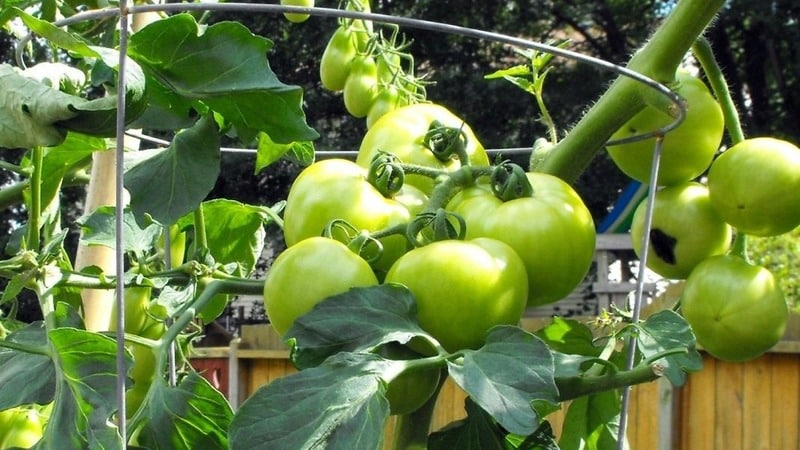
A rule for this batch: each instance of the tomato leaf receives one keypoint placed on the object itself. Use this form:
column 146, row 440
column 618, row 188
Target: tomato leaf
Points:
column 569, row 336
column 358, row 320
column 505, row 376
column 99, row 228
column 269, row 152
column 592, row 422
column 478, row 431
column 339, row 404
column 190, row 415
column 667, row 330
column 26, row 377
column 225, row 68
column 186, row 172
column 86, row 391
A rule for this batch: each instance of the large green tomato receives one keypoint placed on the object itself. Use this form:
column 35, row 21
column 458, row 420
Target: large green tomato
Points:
column 736, row 309
column 297, row 17
column 463, row 288
column 410, row 390
column 23, row 428
column 685, row 230
column 755, row 186
column 687, row 150
column 402, row 133
column 307, row 273
column 552, row 231
column 337, row 189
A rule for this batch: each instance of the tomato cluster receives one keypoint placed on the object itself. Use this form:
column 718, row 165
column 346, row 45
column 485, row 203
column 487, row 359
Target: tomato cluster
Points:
column 698, row 228
column 422, row 207
column 368, row 69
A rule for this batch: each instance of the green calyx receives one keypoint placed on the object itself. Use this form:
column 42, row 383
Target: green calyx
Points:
column 509, row 181
column 386, row 174
column 446, row 142
column 435, row 226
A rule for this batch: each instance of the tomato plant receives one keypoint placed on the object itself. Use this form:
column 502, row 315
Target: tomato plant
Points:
column 753, row 185
column 307, row 273
column 687, row 150
column 685, row 230
column 736, row 309
column 371, row 334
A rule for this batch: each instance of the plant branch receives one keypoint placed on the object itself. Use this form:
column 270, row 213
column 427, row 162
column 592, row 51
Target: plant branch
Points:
column 579, row 386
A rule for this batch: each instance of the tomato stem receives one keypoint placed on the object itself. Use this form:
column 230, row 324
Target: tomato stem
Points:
column 578, row 386
column 658, row 59
column 739, row 247
column 705, row 56
column 36, row 199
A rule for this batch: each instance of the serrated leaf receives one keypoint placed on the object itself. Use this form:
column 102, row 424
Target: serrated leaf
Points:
column 224, row 66
column 67, row 316
column 515, row 71
column 476, row 432
column 190, row 415
column 99, row 228
column 513, row 369
column 56, row 35
column 269, row 152
column 85, row 399
column 667, row 330
column 26, row 377
column 358, row 320
column 186, row 172
column 339, row 404
column 592, row 422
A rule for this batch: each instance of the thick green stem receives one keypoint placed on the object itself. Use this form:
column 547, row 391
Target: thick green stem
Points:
column 574, row 387
column 200, row 229
column 705, row 55
column 35, row 213
column 658, row 59
column 739, row 247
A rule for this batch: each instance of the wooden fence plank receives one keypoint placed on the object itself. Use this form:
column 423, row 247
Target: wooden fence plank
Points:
column 729, row 402
column 697, row 404
column 757, row 409
column 784, row 383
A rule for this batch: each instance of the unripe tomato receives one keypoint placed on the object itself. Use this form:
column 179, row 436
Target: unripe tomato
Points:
column 387, row 100
column 25, row 428
column 685, row 230
column 755, row 186
column 410, row 390
column 138, row 320
column 307, row 273
column 463, row 288
column 389, row 67
column 736, row 309
column 361, row 86
column 295, row 17
column 337, row 189
column 687, row 150
column 334, row 66
column 402, row 133
column 552, row 231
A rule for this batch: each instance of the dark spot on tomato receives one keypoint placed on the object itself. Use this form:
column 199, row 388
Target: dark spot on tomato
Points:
column 663, row 245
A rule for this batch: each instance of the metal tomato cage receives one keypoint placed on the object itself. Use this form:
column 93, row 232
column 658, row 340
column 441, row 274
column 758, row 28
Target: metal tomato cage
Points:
column 124, row 12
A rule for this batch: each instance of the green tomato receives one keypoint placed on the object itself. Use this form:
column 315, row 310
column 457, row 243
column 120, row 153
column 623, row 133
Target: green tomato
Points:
column 387, row 100
column 143, row 372
column 736, row 309
column 389, row 67
column 307, row 273
column 463, row 288
column 685, row 230
column 552, row 231
column 295, row 17
column 338, row 56
column 402, row 132
column 138, row 319
column 754, row 186
column 410, row 390
column 24, row 428
column 687, row 150
column 361, row 86
column 337, row 189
